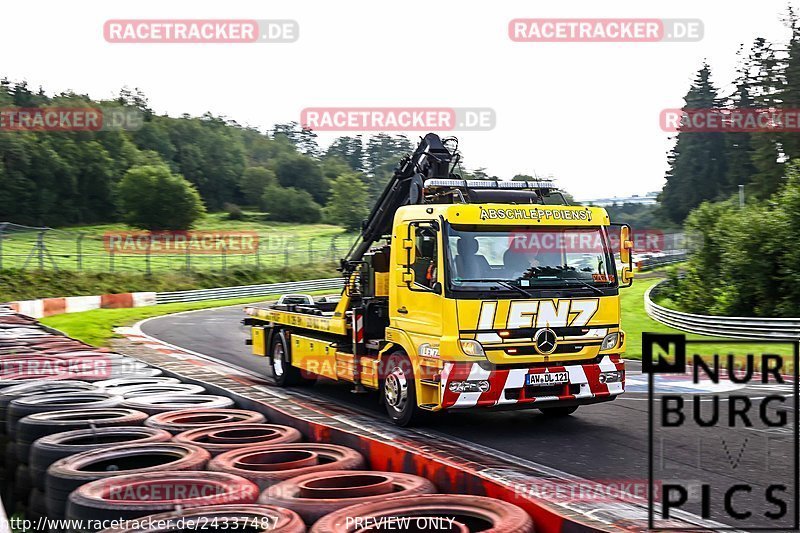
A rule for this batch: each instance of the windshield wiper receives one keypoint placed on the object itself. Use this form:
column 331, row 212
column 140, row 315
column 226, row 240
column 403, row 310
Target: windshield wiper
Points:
column 585, row 284
column 502, row 283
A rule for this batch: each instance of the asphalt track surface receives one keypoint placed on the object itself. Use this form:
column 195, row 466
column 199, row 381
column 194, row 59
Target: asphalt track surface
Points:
column 606, row 442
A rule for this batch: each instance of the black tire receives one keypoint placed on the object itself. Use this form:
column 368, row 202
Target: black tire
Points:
column 38, row 425
column 69, row 473
column 37, row 387
column 558, row 412
column 284, row 374
column 36, row 506
column 40, row 403
column 22, row 483
column 398, row 390
column 49, row 449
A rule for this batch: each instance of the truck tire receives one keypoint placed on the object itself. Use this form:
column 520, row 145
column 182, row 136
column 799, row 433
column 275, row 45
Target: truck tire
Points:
column 558, row 412
column 284, row 374
column 398, row 392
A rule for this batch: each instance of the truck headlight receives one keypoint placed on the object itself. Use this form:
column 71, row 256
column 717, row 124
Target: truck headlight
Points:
column 610, row 341
column 472, row 348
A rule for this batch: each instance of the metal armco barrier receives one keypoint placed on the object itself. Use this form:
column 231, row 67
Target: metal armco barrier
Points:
column 244, row 291
column 723, row 326
column 653, row 262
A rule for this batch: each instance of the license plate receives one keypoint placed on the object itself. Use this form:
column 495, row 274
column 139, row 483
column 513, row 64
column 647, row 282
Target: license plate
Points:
column 547, row 378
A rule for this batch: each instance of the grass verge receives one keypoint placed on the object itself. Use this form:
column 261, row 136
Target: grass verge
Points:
column 97, row 327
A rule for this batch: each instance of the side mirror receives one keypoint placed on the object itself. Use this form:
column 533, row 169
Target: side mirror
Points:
column 437, row 288
column 626, row 277
column 625, row 245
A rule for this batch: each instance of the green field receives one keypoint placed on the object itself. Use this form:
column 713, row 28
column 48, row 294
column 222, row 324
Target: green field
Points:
column 82, row 248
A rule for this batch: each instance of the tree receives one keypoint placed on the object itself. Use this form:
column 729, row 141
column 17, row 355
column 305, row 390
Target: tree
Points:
column 287, row 204
column 349, row 203
column 254, row 181
column 348, row 149
column 153, row 198
column 302, row 172
column 697, row 165
column 303, row 138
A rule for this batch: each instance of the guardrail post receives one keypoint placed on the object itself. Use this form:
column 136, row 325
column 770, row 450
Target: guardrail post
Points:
column 79, row 251
column 2, row 229
column 147, row 267
column 40, row 246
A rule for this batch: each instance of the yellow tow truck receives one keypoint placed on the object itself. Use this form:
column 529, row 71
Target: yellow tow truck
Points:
column 463, row 294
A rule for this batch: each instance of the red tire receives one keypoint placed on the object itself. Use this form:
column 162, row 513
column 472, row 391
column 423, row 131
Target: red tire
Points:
column 233, row 517
column 269, row 464
column 315, row 495
column 134, row 496
column 188, row 419
column 487, row 515
column 222, row 438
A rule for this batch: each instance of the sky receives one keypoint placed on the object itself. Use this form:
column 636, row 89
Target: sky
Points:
column 585, row 113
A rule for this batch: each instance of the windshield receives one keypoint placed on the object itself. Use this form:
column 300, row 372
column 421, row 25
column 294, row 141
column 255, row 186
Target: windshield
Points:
column 514, row 258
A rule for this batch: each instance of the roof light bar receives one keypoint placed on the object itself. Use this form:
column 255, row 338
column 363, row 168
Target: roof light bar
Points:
column 489, row 184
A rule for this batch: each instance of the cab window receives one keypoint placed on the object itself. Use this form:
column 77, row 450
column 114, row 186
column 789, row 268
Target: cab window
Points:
column 425, row 265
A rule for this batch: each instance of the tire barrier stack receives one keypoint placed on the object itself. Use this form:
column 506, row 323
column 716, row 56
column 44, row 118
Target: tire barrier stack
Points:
column 89, row 435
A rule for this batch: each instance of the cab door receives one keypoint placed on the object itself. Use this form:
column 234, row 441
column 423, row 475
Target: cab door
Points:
column 417, row 270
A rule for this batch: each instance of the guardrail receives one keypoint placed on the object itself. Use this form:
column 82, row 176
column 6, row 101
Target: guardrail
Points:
column 653, row 262
column 244, row 291
column 722, row 326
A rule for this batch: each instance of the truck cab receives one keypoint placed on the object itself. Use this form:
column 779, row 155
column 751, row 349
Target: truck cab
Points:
column 481, row 294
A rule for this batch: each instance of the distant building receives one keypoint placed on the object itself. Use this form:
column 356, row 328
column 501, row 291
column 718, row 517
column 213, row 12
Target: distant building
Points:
column 647, row 199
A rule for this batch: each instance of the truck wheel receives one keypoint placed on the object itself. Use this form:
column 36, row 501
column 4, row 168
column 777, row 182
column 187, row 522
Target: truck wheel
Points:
column 283, row 372
column 398, row 392
column 558, row 411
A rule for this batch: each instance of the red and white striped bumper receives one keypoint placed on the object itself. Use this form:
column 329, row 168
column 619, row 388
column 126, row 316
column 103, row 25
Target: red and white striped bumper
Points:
column 507, row 386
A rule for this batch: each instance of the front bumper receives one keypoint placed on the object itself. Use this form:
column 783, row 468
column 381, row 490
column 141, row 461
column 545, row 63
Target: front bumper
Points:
column 508, row 389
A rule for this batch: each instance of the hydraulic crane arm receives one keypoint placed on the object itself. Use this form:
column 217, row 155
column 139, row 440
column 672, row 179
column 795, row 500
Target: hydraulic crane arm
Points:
column 431, row 159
